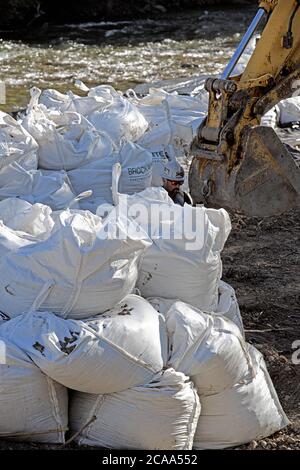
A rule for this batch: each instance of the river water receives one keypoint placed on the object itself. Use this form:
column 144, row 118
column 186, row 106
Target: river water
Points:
column 122, row 54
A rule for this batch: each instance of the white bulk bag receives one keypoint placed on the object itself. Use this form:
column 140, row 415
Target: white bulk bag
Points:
column 152, row 104
column 103, row 106
column 178, row 265
column 173, row 119
column 285, row 113
column 247, row 411
column 184, row 125
column 106, row 93
column 66, row 140
column 32, row 406
column 84, row 105
column 95, row 176
column 136, row 163
column 289, row 111
column 51, row 188
column 161, row 305
column 159, row 159
column 52, row 99
column 228, row 305
column 161, row 154
column 143, row 207
column 16, row 144
column 136, row 174
column 150, row 198
column 120, row 349
column 161, row 415
column 3, row 318
column 208, row 348
column 22, row 224
column 12, row 240
column 120, row 118
column 85, row 267
column 16, row 181
column 20, row 215
column 271, row 117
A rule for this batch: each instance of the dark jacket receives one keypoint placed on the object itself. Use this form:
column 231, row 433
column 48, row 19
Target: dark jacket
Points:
column 181, row 198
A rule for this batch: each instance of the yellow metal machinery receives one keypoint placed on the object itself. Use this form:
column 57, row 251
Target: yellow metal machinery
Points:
column 237, row 163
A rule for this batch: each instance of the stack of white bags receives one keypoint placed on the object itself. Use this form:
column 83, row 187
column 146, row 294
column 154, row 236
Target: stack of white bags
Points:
column 117, row 326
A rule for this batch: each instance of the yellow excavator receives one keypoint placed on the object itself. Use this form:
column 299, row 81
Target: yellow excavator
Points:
column 237, row 163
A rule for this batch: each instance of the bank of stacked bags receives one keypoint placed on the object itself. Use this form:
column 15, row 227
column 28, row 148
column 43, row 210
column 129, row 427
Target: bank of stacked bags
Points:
column 52, row 333
column 116, row 326
column 152, row 374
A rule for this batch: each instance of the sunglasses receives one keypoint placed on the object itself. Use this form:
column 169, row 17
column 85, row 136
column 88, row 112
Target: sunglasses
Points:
column 174, row 183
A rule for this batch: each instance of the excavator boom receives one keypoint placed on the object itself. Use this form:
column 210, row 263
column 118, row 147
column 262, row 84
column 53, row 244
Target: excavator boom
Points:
column 237, row 163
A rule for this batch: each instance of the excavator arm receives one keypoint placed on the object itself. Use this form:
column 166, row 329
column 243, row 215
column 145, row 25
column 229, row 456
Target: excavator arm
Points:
column 237, row 163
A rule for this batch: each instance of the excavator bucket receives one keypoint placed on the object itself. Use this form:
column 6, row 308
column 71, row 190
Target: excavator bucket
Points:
column 265, row 182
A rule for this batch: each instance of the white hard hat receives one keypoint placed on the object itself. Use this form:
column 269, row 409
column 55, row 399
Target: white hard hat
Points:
column 173, row 171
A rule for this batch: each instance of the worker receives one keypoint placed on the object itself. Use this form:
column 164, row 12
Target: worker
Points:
column 173, row 179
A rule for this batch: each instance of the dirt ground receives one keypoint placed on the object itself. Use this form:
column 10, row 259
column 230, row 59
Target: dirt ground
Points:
column 261, row 261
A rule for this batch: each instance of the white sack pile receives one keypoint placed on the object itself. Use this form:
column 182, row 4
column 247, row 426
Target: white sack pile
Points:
column 37, row 186
column 182, row 267
column 173, row 123
column 136, row 173
column 85, row 136
column 105, row 108
column 23, row 224
column 32, row 406
column 138, row 367
column 123, row 348
column 238, row 400
column 73, row 131
column 19, row 176
column 208, row 348
column 16, row 145
column 227, row 307
column 12, row 240
column 289, row 111
column 82, row 269
column 66, row 141
column 284, row 114
column 161, row 414
column 35, row 220
column 250, row 410
column 184, row 260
